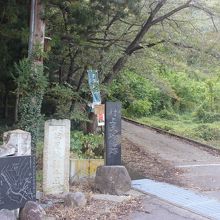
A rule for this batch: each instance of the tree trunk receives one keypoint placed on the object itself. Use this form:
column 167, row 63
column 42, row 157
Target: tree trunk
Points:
column 36, row 49
column 16, row 107
column 92, row 126
column 136, row 43
column 6, row 105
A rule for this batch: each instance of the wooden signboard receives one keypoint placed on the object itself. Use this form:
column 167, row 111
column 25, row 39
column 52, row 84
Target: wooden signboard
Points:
column 100, row 112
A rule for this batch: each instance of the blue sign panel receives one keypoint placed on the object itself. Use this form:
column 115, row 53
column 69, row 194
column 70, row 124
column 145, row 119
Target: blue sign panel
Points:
column 94, row 86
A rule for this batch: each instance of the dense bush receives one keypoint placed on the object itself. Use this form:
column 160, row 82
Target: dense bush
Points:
column 139, row 108
column 130, row 87
column 190, row 92
column 165, row 114
column 207, row 132
column 87, row 145
column 60, row 97
column 206, row 117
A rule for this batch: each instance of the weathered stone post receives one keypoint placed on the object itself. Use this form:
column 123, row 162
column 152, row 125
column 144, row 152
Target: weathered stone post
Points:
column 56, row 156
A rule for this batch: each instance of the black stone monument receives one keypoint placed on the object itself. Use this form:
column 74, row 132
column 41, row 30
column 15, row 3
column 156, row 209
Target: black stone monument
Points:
column 112, row 133
column 17, row 181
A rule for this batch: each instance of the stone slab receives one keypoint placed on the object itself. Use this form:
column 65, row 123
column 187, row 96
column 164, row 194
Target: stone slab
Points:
column 16, row 143
column 112, row 133
column 56, row 156
column 17, row 181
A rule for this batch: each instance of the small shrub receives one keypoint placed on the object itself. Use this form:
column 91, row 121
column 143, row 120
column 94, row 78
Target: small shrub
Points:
column 87, row 145
column 207, row 133
column 165, row 114
column 139, row 108
column 206, row 117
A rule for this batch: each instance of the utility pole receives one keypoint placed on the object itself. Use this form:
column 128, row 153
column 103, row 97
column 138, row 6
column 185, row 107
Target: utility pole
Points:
column 36, row 45
column 37, row 29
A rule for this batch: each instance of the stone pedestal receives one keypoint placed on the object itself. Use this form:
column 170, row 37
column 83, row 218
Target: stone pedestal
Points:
column 56, row 156
column 113, row 180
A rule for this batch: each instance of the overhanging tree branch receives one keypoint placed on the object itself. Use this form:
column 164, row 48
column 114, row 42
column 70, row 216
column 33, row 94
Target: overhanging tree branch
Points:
column 135, row 44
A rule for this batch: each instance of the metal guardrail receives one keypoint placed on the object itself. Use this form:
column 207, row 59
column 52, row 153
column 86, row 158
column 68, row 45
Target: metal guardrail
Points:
column 188, row 140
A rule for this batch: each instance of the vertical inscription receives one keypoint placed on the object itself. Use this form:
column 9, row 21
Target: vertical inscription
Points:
column 57, row 152
column 17, row 181
column 113, row 133
column 56, row 156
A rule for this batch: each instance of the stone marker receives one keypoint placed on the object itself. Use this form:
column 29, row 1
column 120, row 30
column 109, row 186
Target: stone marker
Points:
column 16, row 143
column 17, row 181
column 113, row 180
column 113, row 133
column 32, row 211
column 75, row 199
column 56, row 156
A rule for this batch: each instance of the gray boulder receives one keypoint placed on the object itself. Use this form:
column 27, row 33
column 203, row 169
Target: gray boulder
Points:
column 32, row 211
column 113, row 180
column 7, row 215
column 75, row 199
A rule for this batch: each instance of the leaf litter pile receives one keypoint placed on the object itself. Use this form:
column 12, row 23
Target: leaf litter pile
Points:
column 140, row 164
column 97, row 210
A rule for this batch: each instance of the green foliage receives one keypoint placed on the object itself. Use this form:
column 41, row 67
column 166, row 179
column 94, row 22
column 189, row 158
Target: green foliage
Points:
column 207, row 132
column 189, row 91
column 206, row 117
column 31, row 85
column 29, row 76
column 204, row 132
column 139, row 108
column 61, row 96
column 13, row 35
column 87, row 146
column 165, row 114
column 130, row 88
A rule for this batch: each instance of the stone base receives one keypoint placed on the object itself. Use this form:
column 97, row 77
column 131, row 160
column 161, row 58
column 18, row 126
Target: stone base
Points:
column 113, row 180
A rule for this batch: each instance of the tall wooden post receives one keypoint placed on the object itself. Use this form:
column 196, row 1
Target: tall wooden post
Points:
column 36, row 42
column 37, row 29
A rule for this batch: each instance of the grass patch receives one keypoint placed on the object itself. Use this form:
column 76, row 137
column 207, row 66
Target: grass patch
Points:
column 208, row 133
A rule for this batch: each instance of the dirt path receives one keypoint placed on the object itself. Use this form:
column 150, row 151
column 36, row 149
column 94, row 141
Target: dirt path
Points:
column 171, row 160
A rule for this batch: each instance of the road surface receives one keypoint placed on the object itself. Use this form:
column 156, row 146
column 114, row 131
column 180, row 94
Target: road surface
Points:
column 200, row 168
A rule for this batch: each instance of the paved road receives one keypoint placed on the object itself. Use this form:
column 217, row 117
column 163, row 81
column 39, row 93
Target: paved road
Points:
column 156, row 209
column 201, row 168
